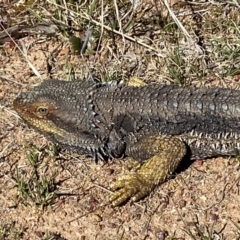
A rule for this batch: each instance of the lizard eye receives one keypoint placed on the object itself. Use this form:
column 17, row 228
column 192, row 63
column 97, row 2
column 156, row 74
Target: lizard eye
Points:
column 43, row 111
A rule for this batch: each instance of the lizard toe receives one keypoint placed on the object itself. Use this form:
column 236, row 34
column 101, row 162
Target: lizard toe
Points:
column 129, row 187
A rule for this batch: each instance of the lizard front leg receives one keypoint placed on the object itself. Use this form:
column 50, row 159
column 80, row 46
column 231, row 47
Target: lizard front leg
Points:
column 162, row 154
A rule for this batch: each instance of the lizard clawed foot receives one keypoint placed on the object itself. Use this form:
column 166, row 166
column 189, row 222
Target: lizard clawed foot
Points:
column 131, row 186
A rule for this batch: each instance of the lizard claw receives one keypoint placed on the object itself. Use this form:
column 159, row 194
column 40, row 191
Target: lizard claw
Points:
column 130, row 186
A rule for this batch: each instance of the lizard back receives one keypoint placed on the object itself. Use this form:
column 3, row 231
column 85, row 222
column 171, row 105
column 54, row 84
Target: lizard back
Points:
column 106, row 119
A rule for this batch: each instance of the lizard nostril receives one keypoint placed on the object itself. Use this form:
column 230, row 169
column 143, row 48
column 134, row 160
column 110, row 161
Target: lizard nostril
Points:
column 43, row 111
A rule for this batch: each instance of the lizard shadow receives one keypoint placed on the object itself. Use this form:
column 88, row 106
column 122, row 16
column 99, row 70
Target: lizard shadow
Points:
column 185, row 163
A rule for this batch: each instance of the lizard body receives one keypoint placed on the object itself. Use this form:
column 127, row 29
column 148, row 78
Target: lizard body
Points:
column 154, row 124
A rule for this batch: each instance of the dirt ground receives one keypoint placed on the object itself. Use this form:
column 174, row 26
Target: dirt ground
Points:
column 62, row 195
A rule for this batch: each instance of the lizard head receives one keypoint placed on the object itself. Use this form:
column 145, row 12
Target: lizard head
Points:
column 52, row 107
column 64, row 112
column 38, row 111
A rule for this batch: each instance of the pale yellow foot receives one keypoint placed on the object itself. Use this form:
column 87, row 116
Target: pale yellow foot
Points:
column 131, row 186
column 135, row 82
column 166, row 154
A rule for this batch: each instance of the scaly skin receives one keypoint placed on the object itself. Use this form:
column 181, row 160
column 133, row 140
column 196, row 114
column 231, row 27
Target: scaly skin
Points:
column 156, row 125
column 166, row 152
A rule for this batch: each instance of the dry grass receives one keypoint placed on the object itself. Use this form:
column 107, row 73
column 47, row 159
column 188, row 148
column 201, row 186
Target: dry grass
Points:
column 46, row 194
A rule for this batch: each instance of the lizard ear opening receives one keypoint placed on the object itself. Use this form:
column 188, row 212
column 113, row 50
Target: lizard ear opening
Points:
column 42, row 111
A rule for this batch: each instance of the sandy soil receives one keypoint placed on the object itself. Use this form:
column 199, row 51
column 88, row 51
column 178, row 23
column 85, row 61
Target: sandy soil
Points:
column 201, row 199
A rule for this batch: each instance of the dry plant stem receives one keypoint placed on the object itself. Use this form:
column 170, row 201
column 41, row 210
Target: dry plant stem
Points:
column 86, row 16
